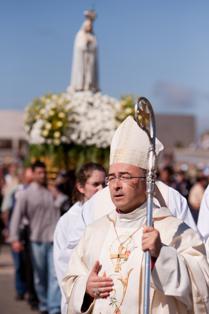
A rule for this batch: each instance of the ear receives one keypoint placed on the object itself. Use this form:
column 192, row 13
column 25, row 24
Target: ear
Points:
column 80, row 188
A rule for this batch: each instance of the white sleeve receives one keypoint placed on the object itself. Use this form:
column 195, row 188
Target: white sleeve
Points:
column 61, row 251
column 87, row 212
column 61, row 256
column 171, row 277
column 179, row 208
column 67, row 234
column 202, row 223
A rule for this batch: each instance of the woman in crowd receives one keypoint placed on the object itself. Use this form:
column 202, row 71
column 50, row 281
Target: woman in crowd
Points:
column 89, row 180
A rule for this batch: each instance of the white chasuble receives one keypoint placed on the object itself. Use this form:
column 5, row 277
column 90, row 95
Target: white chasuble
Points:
column 121, row 259
column 179, row 279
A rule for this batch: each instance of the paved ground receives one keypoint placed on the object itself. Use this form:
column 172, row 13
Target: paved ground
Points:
column 8, row 304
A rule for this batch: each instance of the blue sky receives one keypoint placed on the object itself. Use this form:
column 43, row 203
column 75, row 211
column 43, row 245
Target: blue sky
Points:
column 155, row 48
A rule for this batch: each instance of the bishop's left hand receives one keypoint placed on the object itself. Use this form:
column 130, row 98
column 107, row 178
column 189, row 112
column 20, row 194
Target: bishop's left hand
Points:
column 151, row 241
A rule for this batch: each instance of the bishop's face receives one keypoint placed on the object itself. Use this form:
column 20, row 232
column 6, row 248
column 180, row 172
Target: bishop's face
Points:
column 127, row 184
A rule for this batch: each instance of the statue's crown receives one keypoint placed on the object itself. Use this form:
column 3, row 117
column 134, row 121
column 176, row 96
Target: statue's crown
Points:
column 90, row 14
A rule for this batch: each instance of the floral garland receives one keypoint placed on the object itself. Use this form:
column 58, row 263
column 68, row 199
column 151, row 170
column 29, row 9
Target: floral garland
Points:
column 72, row 128
column 81, row 118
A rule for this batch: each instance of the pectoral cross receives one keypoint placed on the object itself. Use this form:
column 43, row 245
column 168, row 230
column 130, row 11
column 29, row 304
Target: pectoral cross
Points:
column 122, row 254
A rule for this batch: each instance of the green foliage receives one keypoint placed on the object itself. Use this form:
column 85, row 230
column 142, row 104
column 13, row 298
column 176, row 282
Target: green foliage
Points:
column 68, row 156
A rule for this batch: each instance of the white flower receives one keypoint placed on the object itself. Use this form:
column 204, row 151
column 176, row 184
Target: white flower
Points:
column 61, row 115
column 51, row 112
column 52, row 106
column 57, row 134
column 45, row 133
column 64, row 139
column 35, row 134
column 56, row 142
column 59, row 124
column 42, row 111
column 91, row 119
column 48, row 125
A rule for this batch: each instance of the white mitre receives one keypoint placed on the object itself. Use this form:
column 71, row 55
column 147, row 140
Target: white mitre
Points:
column 130, row 145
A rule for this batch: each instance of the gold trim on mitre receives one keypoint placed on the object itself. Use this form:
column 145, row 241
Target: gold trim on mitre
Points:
column 130, row 145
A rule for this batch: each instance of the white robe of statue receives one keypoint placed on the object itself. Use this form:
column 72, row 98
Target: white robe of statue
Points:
column 84, row 67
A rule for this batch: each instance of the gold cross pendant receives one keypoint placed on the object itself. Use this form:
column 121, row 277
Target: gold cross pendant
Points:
column 122, row 254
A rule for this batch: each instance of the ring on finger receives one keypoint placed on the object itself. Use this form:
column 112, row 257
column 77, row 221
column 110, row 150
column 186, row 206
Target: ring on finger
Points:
column 96, row 292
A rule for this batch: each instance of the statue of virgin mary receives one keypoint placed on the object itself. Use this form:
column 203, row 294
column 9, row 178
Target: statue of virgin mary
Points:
column 85, row 66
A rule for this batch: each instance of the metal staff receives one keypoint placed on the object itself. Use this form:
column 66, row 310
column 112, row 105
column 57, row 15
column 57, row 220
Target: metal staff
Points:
column 144, row 116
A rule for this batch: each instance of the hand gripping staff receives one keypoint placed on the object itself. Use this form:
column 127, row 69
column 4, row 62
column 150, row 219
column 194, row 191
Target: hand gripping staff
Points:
column 144, row 116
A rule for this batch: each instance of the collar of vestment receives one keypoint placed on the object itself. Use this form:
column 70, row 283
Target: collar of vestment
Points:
column 137, row 215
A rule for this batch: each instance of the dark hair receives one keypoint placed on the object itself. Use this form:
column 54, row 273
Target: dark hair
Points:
column 38, row 164
column 82, row 176
column 65, row 182
column 168, row 169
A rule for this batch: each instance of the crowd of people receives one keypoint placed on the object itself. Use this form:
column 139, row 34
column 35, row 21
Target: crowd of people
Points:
column 192, row 188
column 30, row 210
column 43, row 222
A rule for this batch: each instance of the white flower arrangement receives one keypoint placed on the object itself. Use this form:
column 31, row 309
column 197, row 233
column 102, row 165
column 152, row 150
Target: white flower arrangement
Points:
column 81, row 118
column 46, row 120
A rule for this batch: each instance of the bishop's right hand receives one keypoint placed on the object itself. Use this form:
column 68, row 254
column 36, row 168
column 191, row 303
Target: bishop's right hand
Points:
column 98, row 286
